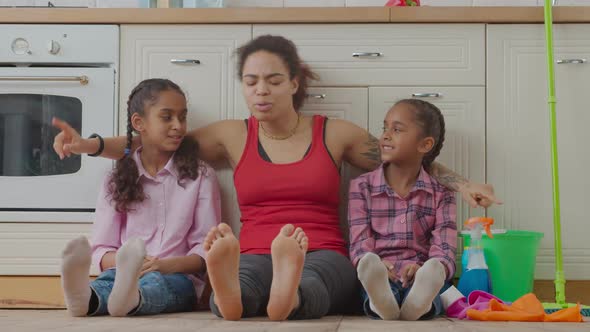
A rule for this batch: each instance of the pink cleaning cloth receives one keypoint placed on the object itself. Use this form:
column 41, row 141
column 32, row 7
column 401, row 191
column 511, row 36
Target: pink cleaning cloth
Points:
column 478, row 300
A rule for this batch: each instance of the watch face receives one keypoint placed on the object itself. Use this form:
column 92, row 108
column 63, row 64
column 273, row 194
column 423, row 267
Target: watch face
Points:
column 20, row 46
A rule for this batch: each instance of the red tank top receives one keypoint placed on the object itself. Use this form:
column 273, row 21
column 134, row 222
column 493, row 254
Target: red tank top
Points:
column 305, row 193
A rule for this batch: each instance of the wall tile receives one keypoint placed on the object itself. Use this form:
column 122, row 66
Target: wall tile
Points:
column 118, row 3
column 464, row 3
column 68, row 3
column 504, row 2
column 365, row 3
column 567, row 2
column 253, row 3
column 315, row 3
column 17, row 3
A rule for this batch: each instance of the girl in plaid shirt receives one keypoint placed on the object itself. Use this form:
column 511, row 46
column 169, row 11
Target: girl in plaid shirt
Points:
column 402, row 221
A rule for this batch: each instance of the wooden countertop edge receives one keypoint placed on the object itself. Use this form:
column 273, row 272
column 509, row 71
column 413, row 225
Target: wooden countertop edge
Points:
column 487, row 15
column 290, row 15
column 195, row 16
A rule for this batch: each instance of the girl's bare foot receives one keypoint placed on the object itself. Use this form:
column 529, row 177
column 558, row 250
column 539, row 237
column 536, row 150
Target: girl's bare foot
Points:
column 223, row 261
column 288, row 255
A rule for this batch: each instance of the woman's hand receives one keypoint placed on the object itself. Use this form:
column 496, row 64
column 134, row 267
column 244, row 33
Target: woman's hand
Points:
column 478, row 194
column 69, row 141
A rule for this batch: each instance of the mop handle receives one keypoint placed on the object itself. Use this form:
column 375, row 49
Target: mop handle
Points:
column 559, row 275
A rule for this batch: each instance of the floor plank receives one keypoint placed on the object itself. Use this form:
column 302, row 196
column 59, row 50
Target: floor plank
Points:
column 59, row 321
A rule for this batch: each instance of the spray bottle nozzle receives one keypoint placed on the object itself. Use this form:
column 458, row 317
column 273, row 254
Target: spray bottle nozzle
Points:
column 485, row 222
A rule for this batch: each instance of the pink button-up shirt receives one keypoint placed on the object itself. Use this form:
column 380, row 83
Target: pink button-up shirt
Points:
column 173, row 220
column 402, row 230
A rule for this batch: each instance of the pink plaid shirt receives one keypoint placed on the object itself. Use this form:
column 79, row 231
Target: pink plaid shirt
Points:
column 402, row 230
column 173, row 220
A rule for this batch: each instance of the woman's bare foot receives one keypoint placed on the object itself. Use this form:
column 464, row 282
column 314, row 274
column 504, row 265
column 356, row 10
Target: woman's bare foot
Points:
column 288, row 254
column 223, row 262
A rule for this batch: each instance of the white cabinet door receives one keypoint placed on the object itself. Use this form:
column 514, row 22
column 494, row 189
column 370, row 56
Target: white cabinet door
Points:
column 389, row 54
column 464, row 146
column 198, row 58
column 340, row 103
column 519, row 163
column 201, row 60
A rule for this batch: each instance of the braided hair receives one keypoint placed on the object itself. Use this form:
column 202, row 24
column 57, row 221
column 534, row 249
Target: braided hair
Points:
column 124, row 188
column 430, row 118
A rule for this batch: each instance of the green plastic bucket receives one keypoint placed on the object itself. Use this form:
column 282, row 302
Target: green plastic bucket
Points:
column 511, row 259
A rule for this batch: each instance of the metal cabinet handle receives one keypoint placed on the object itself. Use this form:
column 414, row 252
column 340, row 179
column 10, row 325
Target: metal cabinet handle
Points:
column 427, row 95
column 316, row 95
column 366, row 54
column 82, row 79
column 572, row 61
column 185, row 61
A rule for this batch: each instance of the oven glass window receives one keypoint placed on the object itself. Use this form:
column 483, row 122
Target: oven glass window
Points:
column 26, row 134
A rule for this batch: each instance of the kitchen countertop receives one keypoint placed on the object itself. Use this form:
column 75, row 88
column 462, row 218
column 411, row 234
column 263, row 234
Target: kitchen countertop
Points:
column 292, row 15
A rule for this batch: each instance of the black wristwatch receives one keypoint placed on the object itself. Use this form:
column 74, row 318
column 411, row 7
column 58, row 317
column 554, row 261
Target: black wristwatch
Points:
column 100, row 145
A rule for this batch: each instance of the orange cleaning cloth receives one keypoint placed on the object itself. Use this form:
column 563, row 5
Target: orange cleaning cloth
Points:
column 526, row 309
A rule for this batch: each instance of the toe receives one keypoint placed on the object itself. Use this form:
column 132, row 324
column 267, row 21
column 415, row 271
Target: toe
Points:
column 224, row 229
column 304, row 243
column 287, row 230
column 299, row 236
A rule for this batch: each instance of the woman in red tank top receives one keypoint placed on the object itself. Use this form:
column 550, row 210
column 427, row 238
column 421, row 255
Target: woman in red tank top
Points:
column 290, row 261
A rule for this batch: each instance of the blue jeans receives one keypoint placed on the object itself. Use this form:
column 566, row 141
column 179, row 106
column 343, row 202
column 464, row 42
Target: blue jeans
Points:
column 400, row 295
column 158, row 293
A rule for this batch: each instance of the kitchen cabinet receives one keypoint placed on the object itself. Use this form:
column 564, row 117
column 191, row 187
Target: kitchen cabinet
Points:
column 389, row 54
column 518, row 141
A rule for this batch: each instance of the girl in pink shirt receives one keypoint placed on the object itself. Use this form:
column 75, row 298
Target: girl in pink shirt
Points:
column 403, row 233
column 152, row 216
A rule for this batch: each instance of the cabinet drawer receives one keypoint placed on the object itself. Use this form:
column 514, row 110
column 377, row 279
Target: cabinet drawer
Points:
column 35, row 248
column 389, row 54
column 198, row 58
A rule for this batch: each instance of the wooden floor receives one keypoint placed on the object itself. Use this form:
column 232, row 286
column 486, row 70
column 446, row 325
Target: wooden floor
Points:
column 58, row 320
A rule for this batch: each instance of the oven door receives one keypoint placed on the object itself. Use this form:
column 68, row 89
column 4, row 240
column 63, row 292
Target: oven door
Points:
column 34, row 184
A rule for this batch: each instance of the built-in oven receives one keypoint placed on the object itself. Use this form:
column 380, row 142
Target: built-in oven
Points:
column 46, row 71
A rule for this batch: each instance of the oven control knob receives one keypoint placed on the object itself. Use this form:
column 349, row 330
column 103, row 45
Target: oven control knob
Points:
column 21, row 46
column 53, row 47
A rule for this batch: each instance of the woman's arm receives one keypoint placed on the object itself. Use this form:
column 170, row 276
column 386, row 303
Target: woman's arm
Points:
column 361, row 149
column 475, row 194
column 353, row 144
column 69, row 142
column 211, row 141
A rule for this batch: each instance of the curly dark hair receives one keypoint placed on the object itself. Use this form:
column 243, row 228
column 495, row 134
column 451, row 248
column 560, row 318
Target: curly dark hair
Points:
column 124, row 188
column 432, row 121
column 287, row 51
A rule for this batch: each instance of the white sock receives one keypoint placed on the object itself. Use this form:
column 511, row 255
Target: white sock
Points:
column 373, row 275
column 75, row 268
column 125, row 294
column 427, row 284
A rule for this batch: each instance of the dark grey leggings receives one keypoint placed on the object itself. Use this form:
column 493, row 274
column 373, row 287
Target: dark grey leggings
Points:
column 329, row 285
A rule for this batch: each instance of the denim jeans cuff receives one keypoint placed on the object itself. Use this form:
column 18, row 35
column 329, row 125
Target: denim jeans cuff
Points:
column 99, row 302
